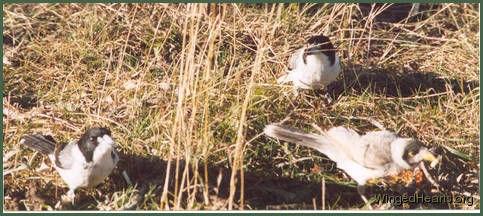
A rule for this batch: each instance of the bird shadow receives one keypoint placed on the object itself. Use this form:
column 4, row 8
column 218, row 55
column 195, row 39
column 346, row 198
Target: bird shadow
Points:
column 261, row 190
column 26, row 101
column 391, row 84
column 393, row 13
column 457, row 175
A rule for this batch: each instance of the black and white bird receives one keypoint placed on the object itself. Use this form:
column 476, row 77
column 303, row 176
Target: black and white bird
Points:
column 313, row 66
column 83, row 163
column 371, row 156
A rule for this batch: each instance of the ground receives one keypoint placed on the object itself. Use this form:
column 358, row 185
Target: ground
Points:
column 187, row 89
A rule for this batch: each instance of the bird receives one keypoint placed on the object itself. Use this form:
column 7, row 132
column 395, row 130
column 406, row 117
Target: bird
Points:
column 313, row 66
column 373, row 155
column 83, row 163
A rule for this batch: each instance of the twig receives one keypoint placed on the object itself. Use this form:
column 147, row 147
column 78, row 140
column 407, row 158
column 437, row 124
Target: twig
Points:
column 318, row 128
column 323, row 192
column 373, row 121
column 428, row 176
column 7, row 156
column 361, row 190
column 21, row 167
column 366, row 201
column 109, row 120
column 293, row 161
column 66, row 123
column 468, row 194
column 126, row 177
column 414, row 97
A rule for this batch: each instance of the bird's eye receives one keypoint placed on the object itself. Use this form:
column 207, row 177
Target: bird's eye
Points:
column 91, row 138
column 410, row 154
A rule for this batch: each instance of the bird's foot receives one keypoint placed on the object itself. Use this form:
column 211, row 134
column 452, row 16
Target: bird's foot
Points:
column 69, row 197
column 296, row 92
column 329, row 99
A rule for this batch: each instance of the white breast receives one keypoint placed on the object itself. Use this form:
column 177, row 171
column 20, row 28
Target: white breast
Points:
column 316, row 74
column 78, row 174
column 89, row 174
column 104, row 159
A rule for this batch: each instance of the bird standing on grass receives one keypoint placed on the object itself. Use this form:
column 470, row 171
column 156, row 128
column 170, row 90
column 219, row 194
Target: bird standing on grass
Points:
column 83, row 163
column 373, row 155
column 314, row 66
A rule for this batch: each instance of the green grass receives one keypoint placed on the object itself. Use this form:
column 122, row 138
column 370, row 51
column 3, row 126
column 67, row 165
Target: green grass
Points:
column 178, row 85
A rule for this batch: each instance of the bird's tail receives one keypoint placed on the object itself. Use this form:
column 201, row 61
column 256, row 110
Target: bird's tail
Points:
column 297, row 136
column 41, row 143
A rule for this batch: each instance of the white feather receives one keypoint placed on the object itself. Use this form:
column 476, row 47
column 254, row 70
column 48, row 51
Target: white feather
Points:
column 318, row 73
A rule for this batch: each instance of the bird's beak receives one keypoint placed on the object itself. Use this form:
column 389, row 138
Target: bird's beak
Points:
column 108, row 140
column 429, row 157
column 114, row 143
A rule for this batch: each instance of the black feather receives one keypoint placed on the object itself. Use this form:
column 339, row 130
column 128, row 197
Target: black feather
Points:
column 88, row 141
column 322, row 44
column 40, row 143
column 414, row 147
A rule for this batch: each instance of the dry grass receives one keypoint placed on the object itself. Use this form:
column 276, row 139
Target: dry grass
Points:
column 187, row 89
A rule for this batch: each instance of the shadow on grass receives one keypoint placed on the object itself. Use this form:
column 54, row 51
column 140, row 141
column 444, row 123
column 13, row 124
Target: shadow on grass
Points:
column 262, row 191
column 407, row 84
column 265, row 191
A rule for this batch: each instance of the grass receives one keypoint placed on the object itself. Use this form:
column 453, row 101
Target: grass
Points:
column 188, row 88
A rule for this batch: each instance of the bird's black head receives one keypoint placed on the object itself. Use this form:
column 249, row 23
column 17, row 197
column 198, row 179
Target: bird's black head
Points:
column 415, row 152
column 322, row 44
column 88, row 142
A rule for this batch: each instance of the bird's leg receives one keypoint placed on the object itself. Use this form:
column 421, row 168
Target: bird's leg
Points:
column 328, row 96
column 296, row 91
column 324, row 93
column 70, row 196
column 361, row 189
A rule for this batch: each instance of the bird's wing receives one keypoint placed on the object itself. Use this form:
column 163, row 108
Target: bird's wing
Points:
column 376, row 152
column 340, row 144
column 372, row 151
column 345, row 136
column 64, row 155
column 346, row 140
column 41, row 143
